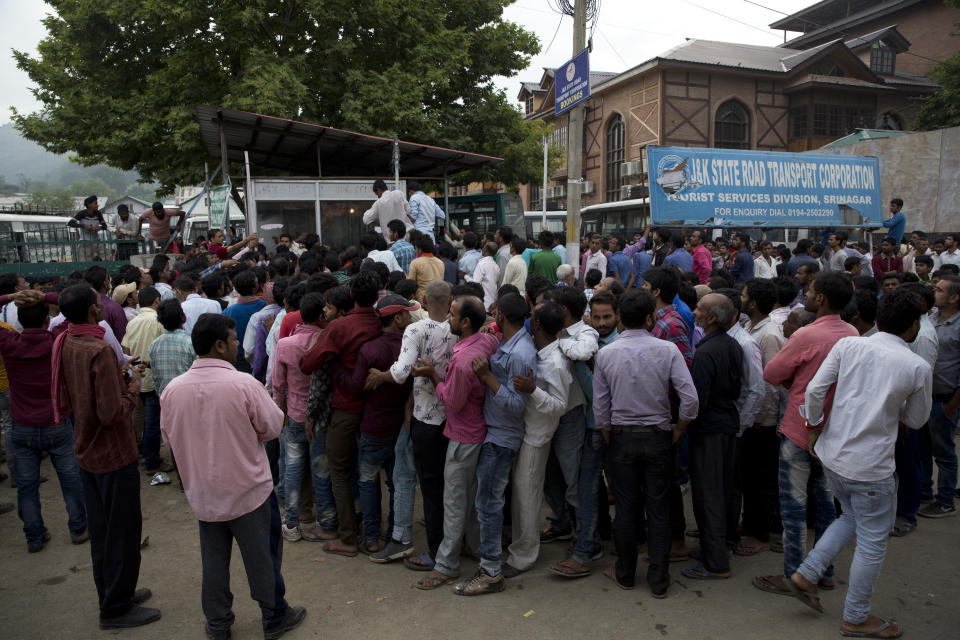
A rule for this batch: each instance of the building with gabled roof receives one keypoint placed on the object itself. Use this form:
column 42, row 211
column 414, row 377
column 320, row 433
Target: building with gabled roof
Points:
column 705, row 93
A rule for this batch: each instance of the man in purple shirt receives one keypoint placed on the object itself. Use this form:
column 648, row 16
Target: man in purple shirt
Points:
column 637, row 428
column 383, row 413
column 112, row 312
column 34, row 431
column 462, row 393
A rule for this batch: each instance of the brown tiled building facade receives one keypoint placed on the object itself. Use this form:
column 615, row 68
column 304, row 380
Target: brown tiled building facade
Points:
column 814, row 89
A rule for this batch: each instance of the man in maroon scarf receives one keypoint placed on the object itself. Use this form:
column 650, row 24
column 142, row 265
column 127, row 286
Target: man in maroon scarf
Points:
column 88, row 382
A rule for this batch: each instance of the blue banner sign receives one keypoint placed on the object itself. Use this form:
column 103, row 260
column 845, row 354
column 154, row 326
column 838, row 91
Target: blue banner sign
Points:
column 571, row 83
column 730, row 187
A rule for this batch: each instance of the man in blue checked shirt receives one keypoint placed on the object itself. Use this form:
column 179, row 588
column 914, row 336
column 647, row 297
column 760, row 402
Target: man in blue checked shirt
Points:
column 172, row 353
column 402, row 250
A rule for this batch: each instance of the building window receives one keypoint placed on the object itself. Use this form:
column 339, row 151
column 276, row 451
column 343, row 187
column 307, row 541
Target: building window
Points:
column 882, row 58
column 529, row 105
column 559, row 137
column 820, row 120
column 798, row 122
column 614, row 157
column 732, row 126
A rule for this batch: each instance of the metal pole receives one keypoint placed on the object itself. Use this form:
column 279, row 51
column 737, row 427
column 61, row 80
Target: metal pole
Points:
column 446, row 196
column 543, row 193
column 206, row 179
column 250, row 211
column 396, row 162
column 223, row 153
column 575, row 147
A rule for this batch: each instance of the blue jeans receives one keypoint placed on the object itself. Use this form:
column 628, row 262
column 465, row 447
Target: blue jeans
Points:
column 322, row 489
column 296, row 454
column 404, row 488
column 565, row 449
column 282, row 466
column 29, row 443
column 493, row 474
column 942, row 431
column 797, row 469
column 6, row 425
column 868, row 513
column 375, row 454
column 151, row 429
column 591, row 466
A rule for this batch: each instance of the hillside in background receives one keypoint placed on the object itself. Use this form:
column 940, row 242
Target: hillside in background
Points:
column 25, row 167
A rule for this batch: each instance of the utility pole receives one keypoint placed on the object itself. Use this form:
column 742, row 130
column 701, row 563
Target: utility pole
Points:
column 575, row 145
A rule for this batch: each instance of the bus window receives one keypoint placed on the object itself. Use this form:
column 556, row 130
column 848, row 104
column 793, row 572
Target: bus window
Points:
column 513, row 212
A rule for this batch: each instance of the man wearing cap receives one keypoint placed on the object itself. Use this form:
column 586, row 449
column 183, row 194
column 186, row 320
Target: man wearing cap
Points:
column 159, row 219
column 390, row 205
column 90, row 221
column 125, row 296
column 383, row 413
column 128, row 233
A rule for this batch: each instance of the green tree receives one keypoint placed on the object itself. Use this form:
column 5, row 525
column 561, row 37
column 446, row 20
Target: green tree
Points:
column 57, row 199
column 118, row 79
column 93, row 186
column 942, row 108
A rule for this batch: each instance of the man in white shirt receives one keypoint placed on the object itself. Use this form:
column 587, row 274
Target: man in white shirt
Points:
column 880, row 383
column 376, row 248
column 545, row 405
column 192, row 303
column 951, row 254
column 596, row 258
column 390, row 205
column 765, row 266
column 921, row 247
column 487, row 273
column 128, row 232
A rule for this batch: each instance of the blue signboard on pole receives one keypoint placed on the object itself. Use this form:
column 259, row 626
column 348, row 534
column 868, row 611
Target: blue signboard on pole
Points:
column 730, row 187
column 571, row 83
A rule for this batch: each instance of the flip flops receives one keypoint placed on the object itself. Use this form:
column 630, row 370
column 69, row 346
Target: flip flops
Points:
column 876, row 633
column 770, row 585
column 431, row 582
column 700, row 572
column 425, row 559
column 807, row 598
column 568, row 569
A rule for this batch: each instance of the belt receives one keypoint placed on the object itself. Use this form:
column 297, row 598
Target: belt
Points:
column 640, row 428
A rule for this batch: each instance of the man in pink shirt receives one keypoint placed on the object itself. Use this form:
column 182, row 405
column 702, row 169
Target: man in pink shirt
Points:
column 158, row 219
column 461, row 392
column 226, row 476
column 794, row 367
column 702, row 260
column 291, row 386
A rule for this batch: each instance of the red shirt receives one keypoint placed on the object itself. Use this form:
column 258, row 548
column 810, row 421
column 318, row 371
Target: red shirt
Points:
column 342, row 339
column 218, row 249
column 290, row 322
column 102, row 403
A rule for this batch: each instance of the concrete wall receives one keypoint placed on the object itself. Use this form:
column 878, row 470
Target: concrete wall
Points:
column 924, row 170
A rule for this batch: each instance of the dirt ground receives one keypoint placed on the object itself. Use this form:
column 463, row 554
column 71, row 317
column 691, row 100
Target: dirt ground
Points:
column 51, row 594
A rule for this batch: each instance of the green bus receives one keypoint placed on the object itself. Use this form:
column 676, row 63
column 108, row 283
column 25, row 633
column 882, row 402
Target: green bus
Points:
column 484, row 212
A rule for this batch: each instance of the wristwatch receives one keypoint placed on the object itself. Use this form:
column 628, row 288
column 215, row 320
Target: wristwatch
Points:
column 811, row 427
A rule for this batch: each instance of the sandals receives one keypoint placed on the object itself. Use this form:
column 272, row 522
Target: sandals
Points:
column 806, row 597
column 328, row 547
column 700, row 572
column 771, row 584
column 746, row 550
column 422, row 562
column 434, row 581
column 876, row 633
column 570, row 568
column 665, row 593
column 316, row 534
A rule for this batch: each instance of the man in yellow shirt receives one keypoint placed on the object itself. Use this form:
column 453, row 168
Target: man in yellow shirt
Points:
column 426, row 267
column 141, row 332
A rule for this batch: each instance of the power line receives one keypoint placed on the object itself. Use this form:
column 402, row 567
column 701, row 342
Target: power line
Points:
column 723, row 15
column 835, row 30
column 605, row 39
column 554, row 36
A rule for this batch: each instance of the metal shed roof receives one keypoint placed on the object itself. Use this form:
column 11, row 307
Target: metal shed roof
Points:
column 296, row 147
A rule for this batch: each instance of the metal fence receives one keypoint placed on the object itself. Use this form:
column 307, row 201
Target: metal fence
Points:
column 50, row 251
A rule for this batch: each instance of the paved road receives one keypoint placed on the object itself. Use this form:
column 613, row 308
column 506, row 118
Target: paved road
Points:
column 51, row 594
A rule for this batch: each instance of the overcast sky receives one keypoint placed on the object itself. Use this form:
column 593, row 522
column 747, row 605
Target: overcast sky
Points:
column 627, row 33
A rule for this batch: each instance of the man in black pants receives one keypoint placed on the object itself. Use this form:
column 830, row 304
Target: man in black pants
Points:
column 87, row 382
column 226, row 476
column 717, row 373
column 425, row 341
column 639, row 434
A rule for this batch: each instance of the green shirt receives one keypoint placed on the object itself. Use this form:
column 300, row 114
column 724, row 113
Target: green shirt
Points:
column 545, row 262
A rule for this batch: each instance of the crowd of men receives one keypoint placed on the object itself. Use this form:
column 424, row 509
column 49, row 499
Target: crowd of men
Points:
column 774, row 385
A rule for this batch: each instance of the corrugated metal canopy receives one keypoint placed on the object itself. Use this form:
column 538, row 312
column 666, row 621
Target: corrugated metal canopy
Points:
column 295, row 147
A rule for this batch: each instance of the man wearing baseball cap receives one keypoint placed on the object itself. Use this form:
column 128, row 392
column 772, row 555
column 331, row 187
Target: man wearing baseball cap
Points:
column 383, row 414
